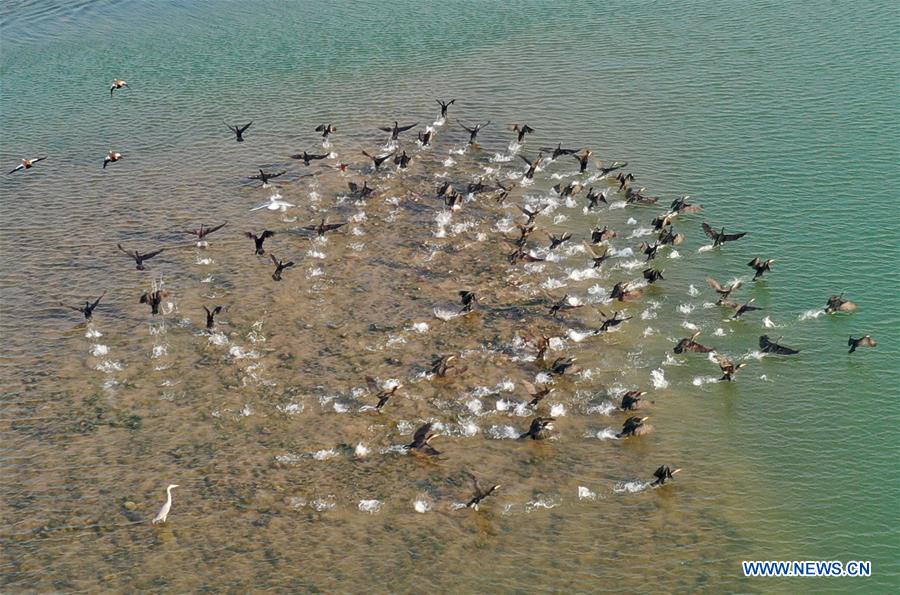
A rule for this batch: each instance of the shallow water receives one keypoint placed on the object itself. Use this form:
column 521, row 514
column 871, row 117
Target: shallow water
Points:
column 781, row 121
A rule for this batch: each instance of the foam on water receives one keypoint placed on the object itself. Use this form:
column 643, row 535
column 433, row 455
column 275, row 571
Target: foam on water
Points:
column 658, row 378
column 99, row 350
column 586, row 494
column 630, row 487
column 370, row 506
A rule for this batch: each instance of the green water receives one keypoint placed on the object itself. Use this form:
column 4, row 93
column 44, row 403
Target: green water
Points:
column 781, row 119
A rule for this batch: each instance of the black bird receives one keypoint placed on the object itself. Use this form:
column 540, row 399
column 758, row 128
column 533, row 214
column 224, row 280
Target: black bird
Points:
column 522, row 129
column 650, row 249
column 632, row 400
column 542, row 344
column 691, row 345
column 473, row 131
column 325, row 129
column 865, row 341
column 681, row 205
column 402, row 160
column 761, row 266
column 480, row 494
column 720, row 237
column 204, row 231
column 26, row 164
column 663, row 474
column 570, row 189
column 622, row 291
column 728, row 367
column 561, row 365
column 723, row 292
column 663, row 221
column 140, row 258
column 594, row 200
column 259, row 239
column 153, row 299
column 422, row 439
column 322, row 228
column 536, row 430
column 633, row 196
column 451, row 196
column 608, row 170
column 768, row 346
column 740, row 309
column 280, row 265
column 531, row 214
column 560, row 305
column 360, row 191
column 624, row 179
column 306, row 158
column 601, row 235
column 396, row 129
column 837, row 303
column 238, row 131
column 441, row 366
column 583, row 160
column 537, row 395
column 211, row 316
column 532, row 165
column 612, row 322
column 520, row 254
column 558, row 240
column 468, row 300
column 653, row 275
column 634, row 426
column 554, row 153
column 425, row 137
column 598, row 258
column 265, row 177
column 88, row 308
column 378, row 160
column 524, row 232
column 667, row 236
column 444, row 106
column 379, row 393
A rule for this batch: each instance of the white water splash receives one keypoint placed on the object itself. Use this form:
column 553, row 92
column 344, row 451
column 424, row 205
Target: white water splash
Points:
column 586, row 494
column 658, row 378
column 370, row 506
column 630, row 487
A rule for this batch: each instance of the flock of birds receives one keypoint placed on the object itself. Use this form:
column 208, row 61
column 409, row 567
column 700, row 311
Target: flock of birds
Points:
column 597, row 250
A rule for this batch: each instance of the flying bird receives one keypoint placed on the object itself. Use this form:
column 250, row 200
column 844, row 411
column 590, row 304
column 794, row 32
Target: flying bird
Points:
column 211, row 316
column 204, row 231
column 322, row 228
column 117, row 84
column 532, row 164
column 556, row 152
column 720, row 237
column 306, row 158
column 536, row 429
column 280, row 266
column 422, row 441
column 88, row 308
column 762, row 266
column 26, row 164
column 238, row 131
column 153, row 299
column 325, row 129
column 396, row 129
column 522, row 130
column 473, row 130
column 112, row 157
column 444, row 106
column 663, row 474
column 260, row 239
column 634, row 426
column 265, row 177
column 728, row 367
column 597, row 257
column 691, row 345
column 140, row 258
column 723, row 292
column 865, row 341
column 379, row 159
column 480, row 494
column 768, row 346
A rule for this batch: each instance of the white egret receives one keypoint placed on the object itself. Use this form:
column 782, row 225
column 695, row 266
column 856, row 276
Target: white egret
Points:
column 164, row 511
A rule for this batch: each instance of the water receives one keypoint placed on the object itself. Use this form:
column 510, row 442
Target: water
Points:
column 780, row 120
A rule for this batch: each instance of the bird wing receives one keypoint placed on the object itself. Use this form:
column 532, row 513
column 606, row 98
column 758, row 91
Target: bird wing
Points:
column 17, row 168
column 332, row 226
column 868, row 341
column 709, row 230
column 697, row 347
column 724, row 362
column 76, row 308
column 372, row 384
column 250, row 235
column 422, row 433
column 715, row 284
column 267, row 234
column 386, row 128
column 131, row 254
column 33, row 161
column 317, row 156
column 404, row 128
column 243, row 129
column 275, row 260
column 288, row 265
column 320, row 128
column 150, row 255
column 730, row 237
column 754, row 263
column 470, row 130
column 97, row 301
column 525, row 159
column 216, row 228
column 230, row 127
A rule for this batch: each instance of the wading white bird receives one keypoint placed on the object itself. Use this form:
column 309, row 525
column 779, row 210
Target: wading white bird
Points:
column 164, row 511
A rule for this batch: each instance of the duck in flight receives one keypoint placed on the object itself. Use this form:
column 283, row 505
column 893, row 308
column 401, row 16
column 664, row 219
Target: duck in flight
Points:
column 306, row 158
column 762, row 266
column 140, row 258
column 382, row 394
column 421, row 442
column 112, row 157
column 88, row 308
column 117, row 84
column 597, row 257
column 378, row 160
column 280, row 266
column 594, row 200
column 728, row 367
column 444, row 106
column 634, row 426
column 265, row 177
column 259, row 240
column 522, row 130
column 322, row 228
column 325, row 129
column 583, row 159
column 473, row 130
column 723, row 292
column 480, row 494
column 238, row 131
column 536, row 431
column 211, row 316
column 690, row 344
column 536, row 394
column 663, row 474
column 26, row 164
column 153, row 299
column 556, row 152
column 532, row 165
column 720, row 237
column 865, row 341
column 204, row 231
column 396, row 129
column 766, row 345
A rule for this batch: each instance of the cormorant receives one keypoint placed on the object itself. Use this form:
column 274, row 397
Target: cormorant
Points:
column 396, row 129
column 112, row 157
column 204, row 231
column 761, row 266
column 140, row 258
column 557, row 240
column 865, row 341
column 421, row 441
column 561, row 365
column 88, row 309
column 468, row 300
column 153, row 299
column 480, row 494
column 663, row 474
column 531, row 214
column 532, row 164
column 379, row 393
column 325, row 129
column 608, row 170
column 537, row 395
column 595, row 199
column 723, row 292
column 425, row 137
column 554, row 153
column 306, row 158
column 441, row 366
column 322, row 228
column 538, row 425
column 652, row 275
column 117, row 84
column 522, row 130
column 265, row 177
column 378, row 160
column 598, row 258
column 583, row 160
column 720, row 237
column 634, row 426
column 601, row 235
column 238, row 131
column 211, row 316
column 473, row 131
column 444, row 106
column 358, row 191
column 837, row 303
column 259, row 239
column 768, row 346
column 691, row 345
column 632, row 400
column 280, row 266
column 728, row 367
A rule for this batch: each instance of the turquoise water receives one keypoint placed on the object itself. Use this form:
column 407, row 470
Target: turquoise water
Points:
column 781, row 120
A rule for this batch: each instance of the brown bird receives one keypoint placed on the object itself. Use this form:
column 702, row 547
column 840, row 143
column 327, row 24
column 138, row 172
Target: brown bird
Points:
column 837, row 303
column 532, row 164
column 680, row 205
column 597, row 257
column 112, row 157
column 624, row 179
column 380, row 393
column 865, row 341
column 441, row 366
column 740, row 309
column 117, row 84
column 522, row 130
column 602, row 235
column 26, row 164
column 723, row 292
column 480, row 494
column 583, row 160
column 635, row 426
column 691, row 345
column 728, row 367
column 536, row 394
